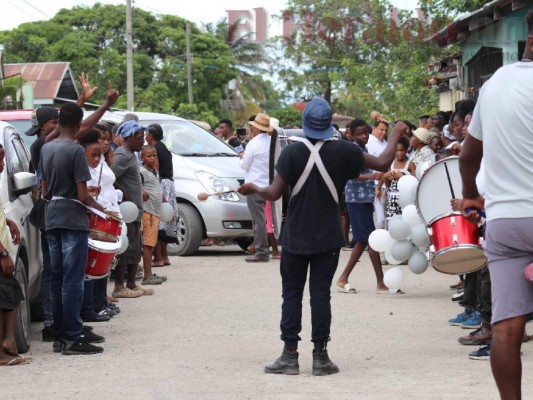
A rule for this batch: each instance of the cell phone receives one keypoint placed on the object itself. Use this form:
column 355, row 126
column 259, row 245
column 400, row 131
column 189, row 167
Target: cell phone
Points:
column 241, row 132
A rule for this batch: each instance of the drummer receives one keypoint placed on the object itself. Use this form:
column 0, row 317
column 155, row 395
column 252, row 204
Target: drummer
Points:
column 96, row 307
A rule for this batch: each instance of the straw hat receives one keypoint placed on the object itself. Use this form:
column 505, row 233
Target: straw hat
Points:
column 423, row 135
column 262, row 122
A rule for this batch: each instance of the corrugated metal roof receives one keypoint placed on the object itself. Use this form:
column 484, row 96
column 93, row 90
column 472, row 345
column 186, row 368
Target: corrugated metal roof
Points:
column 46, row 78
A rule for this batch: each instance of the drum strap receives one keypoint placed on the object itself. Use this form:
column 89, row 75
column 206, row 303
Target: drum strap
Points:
column 314, row 159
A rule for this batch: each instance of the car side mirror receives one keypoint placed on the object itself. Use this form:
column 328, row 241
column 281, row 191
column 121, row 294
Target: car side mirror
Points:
column 24, row 182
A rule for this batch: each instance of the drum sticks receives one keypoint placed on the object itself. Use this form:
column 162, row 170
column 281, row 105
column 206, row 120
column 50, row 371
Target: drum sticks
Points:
column 449, row 180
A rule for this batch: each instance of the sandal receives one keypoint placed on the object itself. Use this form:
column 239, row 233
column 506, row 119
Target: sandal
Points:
column 162, row 277
column 145, row 292
column 347, row 289
column 152, row 280
column 127, row 293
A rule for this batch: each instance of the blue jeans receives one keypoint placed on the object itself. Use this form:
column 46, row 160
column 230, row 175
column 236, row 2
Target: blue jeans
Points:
column 46, row 302
column 68, row 256
column 293, row 270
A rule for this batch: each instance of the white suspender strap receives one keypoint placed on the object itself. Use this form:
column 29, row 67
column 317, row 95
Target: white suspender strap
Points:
column 314, row 159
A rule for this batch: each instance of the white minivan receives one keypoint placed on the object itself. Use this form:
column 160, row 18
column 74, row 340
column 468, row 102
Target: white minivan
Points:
column 202, row 164
column 16, row 184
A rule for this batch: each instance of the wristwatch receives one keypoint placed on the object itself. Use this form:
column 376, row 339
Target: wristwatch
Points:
column 4, row 253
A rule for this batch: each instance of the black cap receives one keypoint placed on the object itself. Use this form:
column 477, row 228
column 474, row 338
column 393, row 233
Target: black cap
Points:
column 39, row 116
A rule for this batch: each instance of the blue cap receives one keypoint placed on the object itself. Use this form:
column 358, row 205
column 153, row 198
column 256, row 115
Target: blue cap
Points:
column 129, row 128
column 317, row 119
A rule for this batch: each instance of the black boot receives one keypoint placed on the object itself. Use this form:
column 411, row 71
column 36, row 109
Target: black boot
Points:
column 322, row 365
column 287, row 364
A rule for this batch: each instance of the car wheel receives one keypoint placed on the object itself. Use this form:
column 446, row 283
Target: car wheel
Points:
column 244, row 242
column 22, row 327
column 190, row 230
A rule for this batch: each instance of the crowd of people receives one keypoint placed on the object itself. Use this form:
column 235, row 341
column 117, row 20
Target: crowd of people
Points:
column 84, row 167
column 334, row 185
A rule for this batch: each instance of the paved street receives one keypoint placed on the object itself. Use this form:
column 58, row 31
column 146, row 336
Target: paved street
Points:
column 208, row 332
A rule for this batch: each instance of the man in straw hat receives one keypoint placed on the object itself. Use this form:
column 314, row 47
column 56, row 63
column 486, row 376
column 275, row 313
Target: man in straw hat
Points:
column 255, row 163
column 316, row 169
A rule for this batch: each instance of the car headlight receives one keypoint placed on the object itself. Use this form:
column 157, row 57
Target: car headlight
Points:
column 215, row 185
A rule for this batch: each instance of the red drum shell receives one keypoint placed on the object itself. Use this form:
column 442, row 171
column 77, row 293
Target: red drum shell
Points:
column 100, row 259
column 104, row 229
column 456, row 244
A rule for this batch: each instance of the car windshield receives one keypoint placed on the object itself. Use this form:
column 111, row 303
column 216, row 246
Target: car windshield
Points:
column 187, row 139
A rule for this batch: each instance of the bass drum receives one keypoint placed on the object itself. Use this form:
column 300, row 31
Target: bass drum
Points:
column 433, row 194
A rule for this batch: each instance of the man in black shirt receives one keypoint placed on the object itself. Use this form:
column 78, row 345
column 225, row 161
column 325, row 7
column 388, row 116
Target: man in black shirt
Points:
column 316, row 169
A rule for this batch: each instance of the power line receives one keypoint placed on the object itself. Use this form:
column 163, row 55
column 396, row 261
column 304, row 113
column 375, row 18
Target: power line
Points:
column 20, row 9
column 35, row 8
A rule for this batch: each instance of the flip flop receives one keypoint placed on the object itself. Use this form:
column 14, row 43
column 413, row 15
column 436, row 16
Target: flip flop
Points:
column 390, row 291
column 347, row 289
column 17, row 361
column 154, row 265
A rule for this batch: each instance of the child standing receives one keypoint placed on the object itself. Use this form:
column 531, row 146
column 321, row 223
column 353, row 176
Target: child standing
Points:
column 152, row 199
column 10, row 292
column 400, row 166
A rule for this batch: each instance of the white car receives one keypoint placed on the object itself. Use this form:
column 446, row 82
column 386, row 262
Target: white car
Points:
column 202, row 164
column 16, row 184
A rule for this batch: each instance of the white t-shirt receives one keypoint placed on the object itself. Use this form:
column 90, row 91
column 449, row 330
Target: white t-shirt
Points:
column 375, row 146
column 503, row 120
column 255, row 161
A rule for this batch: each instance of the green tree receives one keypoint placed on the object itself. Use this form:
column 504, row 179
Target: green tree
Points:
column 355, row 55
column 92, row 39
column 287, row 116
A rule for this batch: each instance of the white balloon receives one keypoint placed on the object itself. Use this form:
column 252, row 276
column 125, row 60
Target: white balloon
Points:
column 405, row 199
column 406, row 184
column 129, row 211
column 124, row 228
column 422, row 168
column 410, row 215
column 167, row 212
column 420, row 236
column 393, row 278
column 390, row 259
column 379, row 240
column 124, row 243
column 395, row 218
column 402, row 250
column 399, row 229
column 418, row 263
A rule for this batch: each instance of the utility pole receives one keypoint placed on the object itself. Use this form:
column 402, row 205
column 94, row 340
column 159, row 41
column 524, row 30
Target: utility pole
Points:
column 129, row 56
column 189, row 62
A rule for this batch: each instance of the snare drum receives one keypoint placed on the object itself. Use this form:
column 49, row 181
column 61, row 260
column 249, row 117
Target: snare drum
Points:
column 106, row 229
column 101, row 258
column 455, row 240
column 456, row 245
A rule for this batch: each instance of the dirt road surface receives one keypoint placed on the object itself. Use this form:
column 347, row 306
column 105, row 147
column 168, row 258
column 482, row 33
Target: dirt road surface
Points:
column 208, row 332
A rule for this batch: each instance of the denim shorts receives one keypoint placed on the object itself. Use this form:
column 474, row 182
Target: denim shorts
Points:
column 361, row 220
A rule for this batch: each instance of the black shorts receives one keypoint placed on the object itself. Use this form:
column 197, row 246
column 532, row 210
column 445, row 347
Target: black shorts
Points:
column 10, row 293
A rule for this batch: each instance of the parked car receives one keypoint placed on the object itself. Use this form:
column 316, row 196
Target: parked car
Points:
column 16, row 184
column 202, row 164
column 21, row 121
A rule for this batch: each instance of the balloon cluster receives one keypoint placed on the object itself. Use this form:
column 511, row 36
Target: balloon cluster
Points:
column 406, row 239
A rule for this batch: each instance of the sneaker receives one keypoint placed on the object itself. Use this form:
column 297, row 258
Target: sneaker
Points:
column 460, row 318
column 48, row 334
column 81, row 348
column 152, row 280
column 480, row 337
column 458, row 296
column 91, row 337
column 93, row 316
column 322, row 365
column 473, row 322
column 458, row 285
column 483, row 353
column 162, row 277
column 287, row 364
column 59, row 345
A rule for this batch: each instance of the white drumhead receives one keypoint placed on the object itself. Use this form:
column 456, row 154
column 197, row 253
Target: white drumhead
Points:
column 459, row 260
column 104, row 247
column 433, row 193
